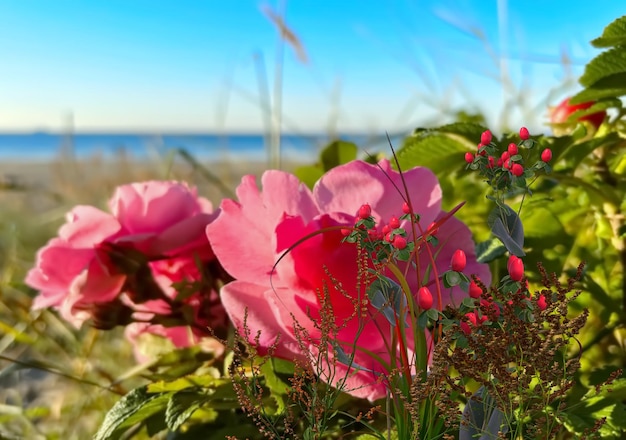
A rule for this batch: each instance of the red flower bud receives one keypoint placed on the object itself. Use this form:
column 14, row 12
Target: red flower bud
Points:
column 523, row 133
column 485, row 138
column 424, row 298
column 546, row 155
column 346, row 231
column 365, row 211
column 562, row 112
column 512, row 150
column 465, row 328
column 469, row 157
column 399, row 242
column 541, row 302
column 406, row 208
column 515, row 267
column 474, row 290
column 517, row 169
column 471, row 317
column 394, row 223
column 458, row 261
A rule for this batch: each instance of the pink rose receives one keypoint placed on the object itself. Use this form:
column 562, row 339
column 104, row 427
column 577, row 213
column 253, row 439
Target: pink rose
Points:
column 251, row 235
column 104, row 266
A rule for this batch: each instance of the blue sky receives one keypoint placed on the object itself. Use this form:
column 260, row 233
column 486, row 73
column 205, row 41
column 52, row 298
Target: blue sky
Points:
column 373, row 65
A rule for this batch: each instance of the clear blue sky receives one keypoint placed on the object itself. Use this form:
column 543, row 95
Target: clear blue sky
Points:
column 373, row 65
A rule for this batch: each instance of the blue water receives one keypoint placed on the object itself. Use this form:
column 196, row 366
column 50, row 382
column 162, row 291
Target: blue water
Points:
column 46, row 146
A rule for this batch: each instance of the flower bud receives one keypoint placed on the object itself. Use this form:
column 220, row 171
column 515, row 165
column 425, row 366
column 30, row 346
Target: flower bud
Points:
column 485, row 138
column 523, row 133
column 458, row 261
column 541, row 303
column 474, row 290
column 546, row 155
column 424, row 298
column 515, row 267
column 399, row 242
column 365, row 211
column 469, row 157
column 517, row 169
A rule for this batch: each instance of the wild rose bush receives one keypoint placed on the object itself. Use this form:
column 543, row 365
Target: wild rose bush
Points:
column 344, row 284
column 284, row 246
column 121, row 267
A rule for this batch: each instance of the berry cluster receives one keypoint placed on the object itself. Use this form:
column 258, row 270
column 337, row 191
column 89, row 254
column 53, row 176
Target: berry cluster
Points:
column 507, row 169
column 391, row 242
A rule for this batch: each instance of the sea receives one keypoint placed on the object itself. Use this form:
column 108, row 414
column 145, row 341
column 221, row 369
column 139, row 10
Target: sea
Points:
column 44, row 146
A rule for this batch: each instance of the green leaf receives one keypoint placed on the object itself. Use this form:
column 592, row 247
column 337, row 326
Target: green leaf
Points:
column 489, row 250
column 439, row 149
column 180, row 407
column 337, row 153
column 509, row 230
column 604, row 65
column 575, row 153
column 134, row 407
column 614, row 34
column 191, row 381
column 612, row 86
column 309, row 174
column 386, row 295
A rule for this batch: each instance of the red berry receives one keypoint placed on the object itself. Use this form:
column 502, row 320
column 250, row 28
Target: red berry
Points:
column 485, row 138
column 499, row 162
column 541, row 302
column 515, row 267
column 523, row 133
column 471, row 317
column 490, row 162
column 406, row 208
column 424, row 298
column 432, row 228
column 469, row 157
column 512, row 150
column 517, row 169
column 546, row 155
column 562, row 112
column 399, row 242
column 365, row 211
column 505, row 155
column 346, row 231
column 394, row 223
column 465, row 328
column 458, row 261
column 474, row 290
column 386, row 230
column 507, row 164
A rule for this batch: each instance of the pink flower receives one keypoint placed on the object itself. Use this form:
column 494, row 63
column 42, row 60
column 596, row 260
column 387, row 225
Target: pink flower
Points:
column 102, row 261
column 252, row 239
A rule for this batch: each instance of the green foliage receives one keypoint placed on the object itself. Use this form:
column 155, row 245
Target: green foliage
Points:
column 168, row 405
column 439, row 148
column 605, row 76
column 614, row 34
column 334, row 154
